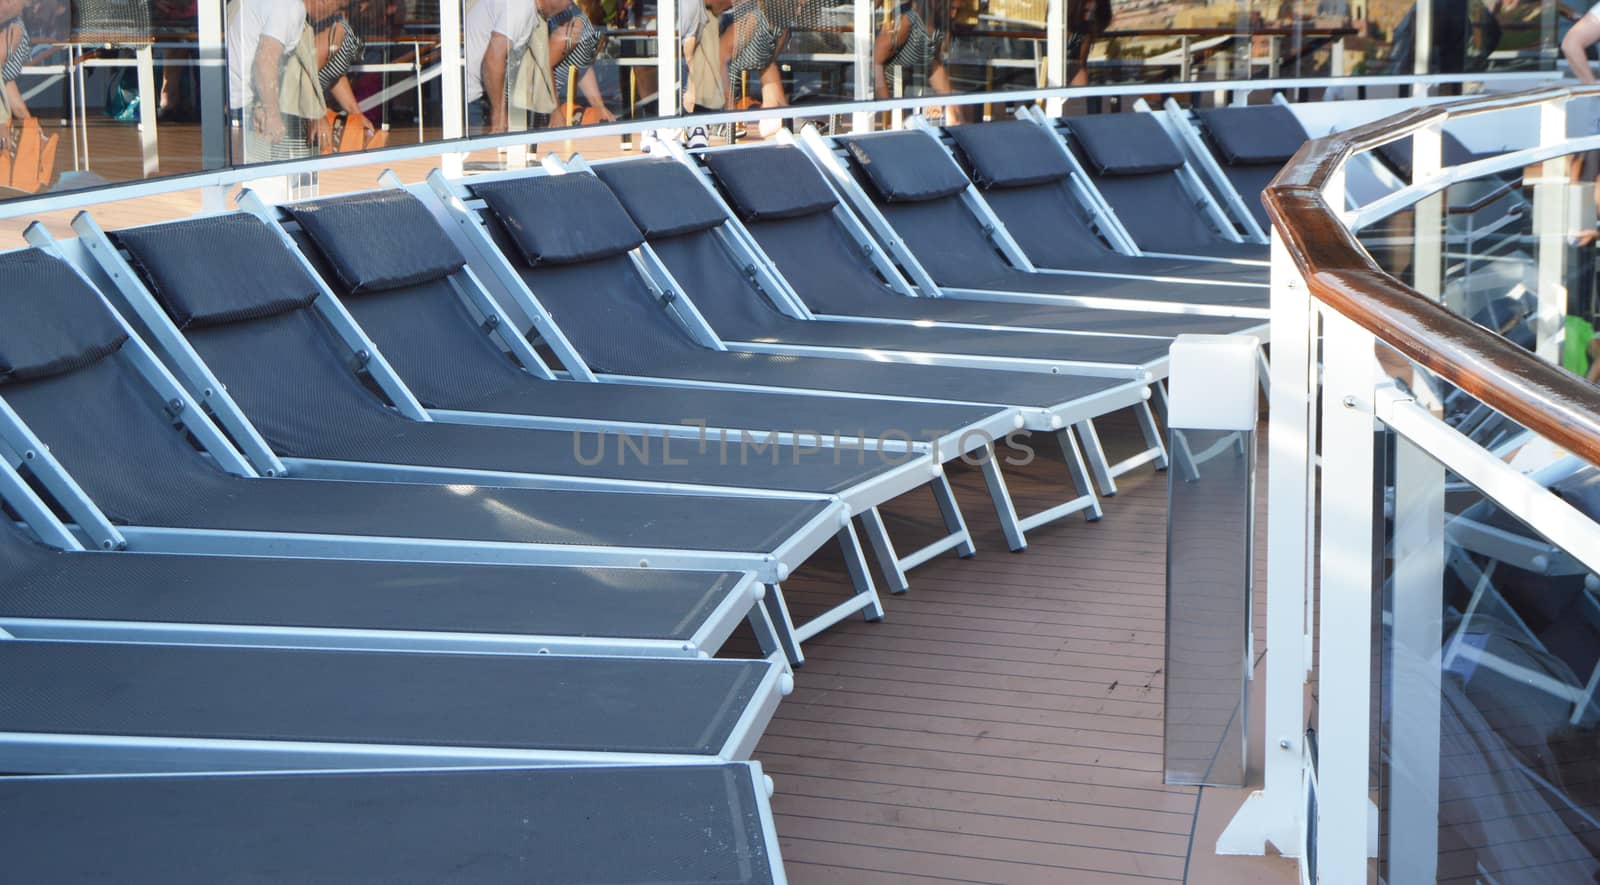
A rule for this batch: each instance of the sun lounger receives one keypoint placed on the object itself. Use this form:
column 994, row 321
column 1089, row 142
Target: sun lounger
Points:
column 136, row 461
column 428, row 333
column 601, row 318
column 829, row 267
column 313, row 412
column 583, row 826
column 951, row 239
column 51, row 588
column 81, row 707
column 1251, row 144
column 1143, row 176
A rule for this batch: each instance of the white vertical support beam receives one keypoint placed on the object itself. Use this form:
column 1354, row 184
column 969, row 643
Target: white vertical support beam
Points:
column 864, row 34
column 668, row 44
column 1055, row 52
column 452, row 82
column 1422, row 45
column 1550, row 232
column 144, row 62
column 1273, row 813
column 1418, row 635
column 1427, row 241
column 213, row 74
column 1350, row 374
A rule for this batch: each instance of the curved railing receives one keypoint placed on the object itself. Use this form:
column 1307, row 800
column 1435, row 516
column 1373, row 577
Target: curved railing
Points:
column 1338, row 271
column 1414, row 514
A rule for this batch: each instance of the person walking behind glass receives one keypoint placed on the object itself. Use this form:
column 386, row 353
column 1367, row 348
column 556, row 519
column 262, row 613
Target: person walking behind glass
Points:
column 272, row 79
column 497, row 34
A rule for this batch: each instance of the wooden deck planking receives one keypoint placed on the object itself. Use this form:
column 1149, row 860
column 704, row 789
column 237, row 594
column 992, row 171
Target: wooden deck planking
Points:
column 1003, row 723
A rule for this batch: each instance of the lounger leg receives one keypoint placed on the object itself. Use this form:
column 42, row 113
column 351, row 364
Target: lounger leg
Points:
column 1000, row 494
column 855, row 559
column 883, row 549
column 954, row 522
column 778, row 613
column 772, row 647
column 1096, row 455
column 1152, row 435
column 1188, row 471
column 1158, row 400
column 1264, row 371
column 1080, row 473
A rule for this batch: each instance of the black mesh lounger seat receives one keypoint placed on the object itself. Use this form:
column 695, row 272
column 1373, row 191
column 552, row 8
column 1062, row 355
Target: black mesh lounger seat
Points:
column 590, row 301
column 583, row 826
column 734, row 315
column 737, row 317
column 45, row 592
column 70, row 707
column 828, row 270
column 1024, row 179
column 618, row 333
column 441, row 351
column 291, row 375
column 1133, row 163
column 75, row 380
column 1251, row 144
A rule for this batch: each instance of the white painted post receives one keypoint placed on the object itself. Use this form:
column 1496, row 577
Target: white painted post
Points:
column 1055, row 52
column 1550, row 216
column 1417, row 641
column 452, row 88
column 1427, row 242
column 1350, row 373
column 865, row 33
column 668, row 45
column 1273, row 813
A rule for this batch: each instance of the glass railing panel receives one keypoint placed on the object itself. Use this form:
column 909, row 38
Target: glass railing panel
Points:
column 1491, row 640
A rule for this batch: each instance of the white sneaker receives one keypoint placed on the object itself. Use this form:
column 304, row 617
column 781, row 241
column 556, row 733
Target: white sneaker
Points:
column 698, row 138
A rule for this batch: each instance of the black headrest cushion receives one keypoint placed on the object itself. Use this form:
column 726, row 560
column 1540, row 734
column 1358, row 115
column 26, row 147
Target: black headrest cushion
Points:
column 1125, row 144
column 1253, row 136
column 219, row 269
column 51, row 321
column 769, row 182
column 664, row 197
column 561, row 219
column 906, row 166
column 1582, row 491
column 380, row 240
column 1010, row 153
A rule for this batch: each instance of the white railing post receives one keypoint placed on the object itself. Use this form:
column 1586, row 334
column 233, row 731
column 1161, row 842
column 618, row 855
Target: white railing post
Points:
column 1345, row 589
column 1273, row 813
column 1427, row 266
column 452, row 83
column 1417, row 638
column 865, row 32
column 1550, row 232
column 668, row 44
column 1055, row 53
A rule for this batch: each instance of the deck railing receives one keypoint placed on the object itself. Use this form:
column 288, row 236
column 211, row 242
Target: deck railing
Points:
column 1420, row 567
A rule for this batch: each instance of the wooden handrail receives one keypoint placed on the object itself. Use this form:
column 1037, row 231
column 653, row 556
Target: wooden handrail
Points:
column 1545, row 398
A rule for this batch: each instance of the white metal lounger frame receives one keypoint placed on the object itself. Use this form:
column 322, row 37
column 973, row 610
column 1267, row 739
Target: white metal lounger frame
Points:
column 1186, row 176
column 849, row 192
column 39, row 752
column 738, row 239
column 907, row 476
column 740, row 603
column 1012, row 251
column 91, row 523
column 761, row 784
column 448, row 200
column 1181, row 127
column 862, row 502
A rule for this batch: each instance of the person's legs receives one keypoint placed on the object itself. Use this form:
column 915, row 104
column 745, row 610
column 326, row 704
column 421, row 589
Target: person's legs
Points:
column 1594, row 360
column 772, row 96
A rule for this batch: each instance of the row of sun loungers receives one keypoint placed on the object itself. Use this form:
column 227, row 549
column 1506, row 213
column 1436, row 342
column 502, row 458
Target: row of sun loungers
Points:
column 391, row 536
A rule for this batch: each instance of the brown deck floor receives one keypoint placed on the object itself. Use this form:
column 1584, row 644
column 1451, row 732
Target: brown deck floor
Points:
column 1003, row 722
